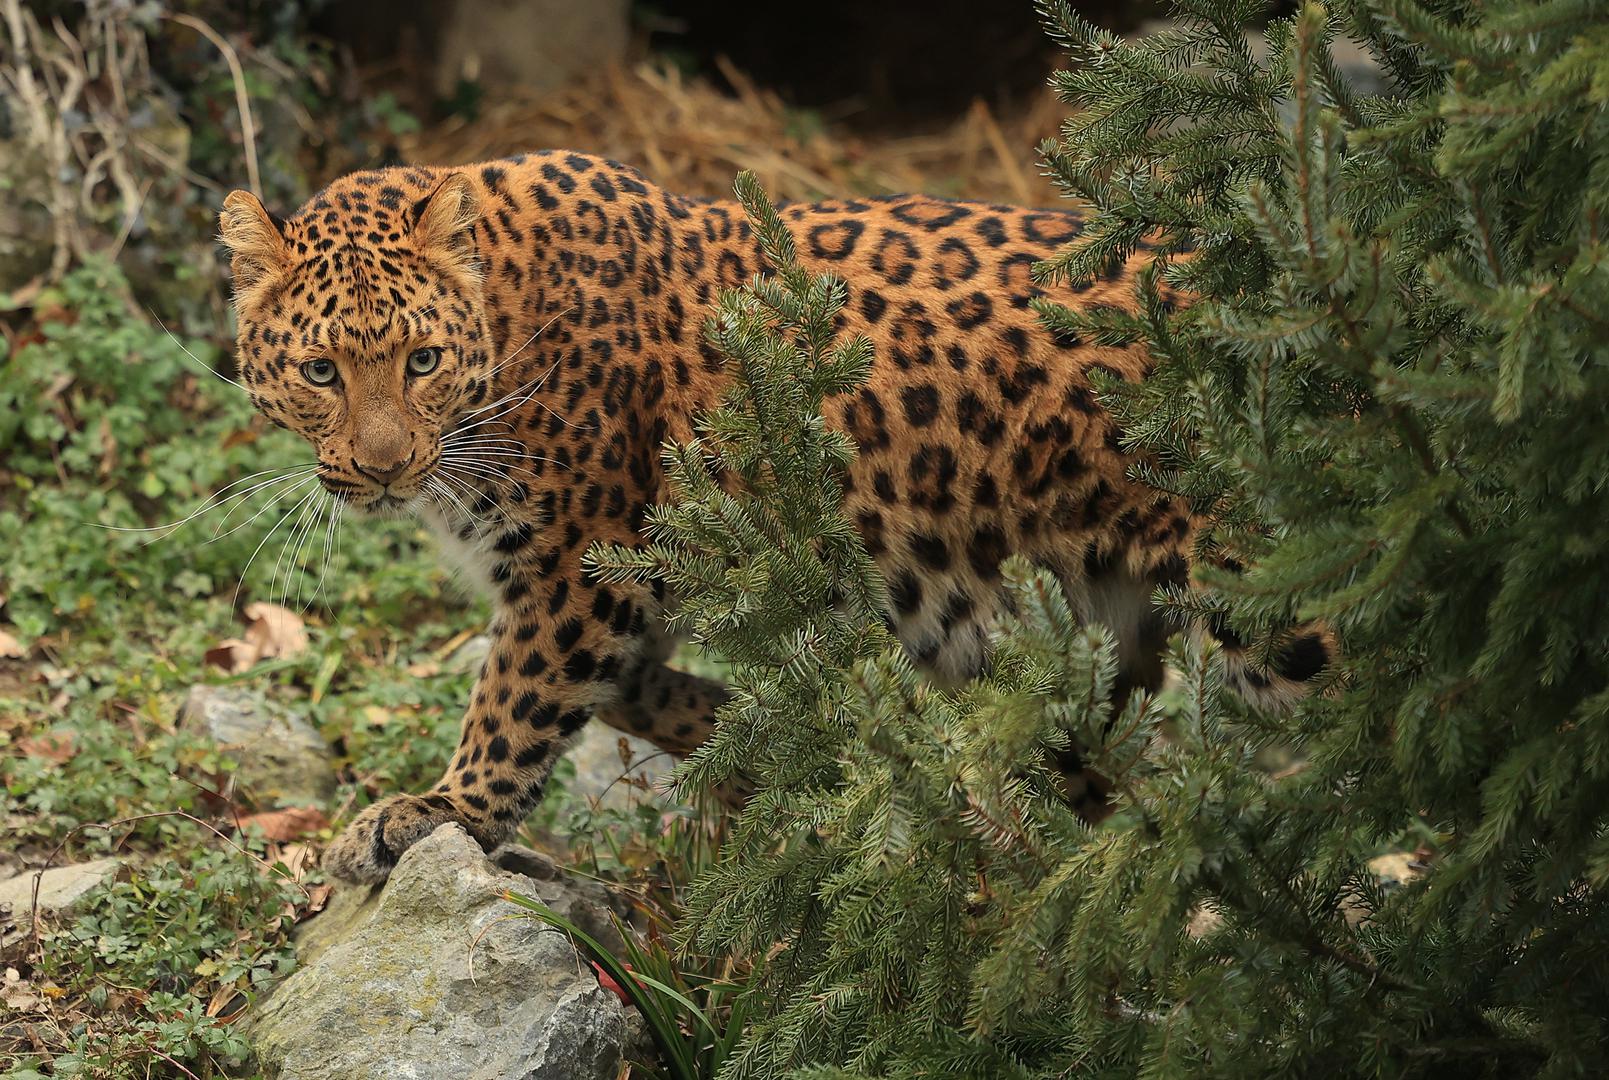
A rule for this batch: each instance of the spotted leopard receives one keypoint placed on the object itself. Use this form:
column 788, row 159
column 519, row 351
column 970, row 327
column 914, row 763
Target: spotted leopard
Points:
column 503, row 348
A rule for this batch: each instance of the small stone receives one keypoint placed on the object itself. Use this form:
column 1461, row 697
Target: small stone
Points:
column 428, row 976
column 614, row 777
column 283, row 761
column 60, row 890
column 469, row 656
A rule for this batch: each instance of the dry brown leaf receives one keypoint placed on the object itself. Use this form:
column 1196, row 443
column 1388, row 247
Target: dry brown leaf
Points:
column 272, row 631
column 232, row 655
column 275, row 631
column 288, row 824
column 54, row 746
column 108, row 447
column 10, row 647
column 452, row 644
column 221, row 997
column 424, row 669
column 296, row 857
column 17, row 993
column 317, row 897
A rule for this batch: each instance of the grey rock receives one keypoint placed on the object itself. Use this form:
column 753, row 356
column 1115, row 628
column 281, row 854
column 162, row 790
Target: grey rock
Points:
column 610, row 775
column 283, row 760
column 470, row 655
column 428, row 977
column 60, row 890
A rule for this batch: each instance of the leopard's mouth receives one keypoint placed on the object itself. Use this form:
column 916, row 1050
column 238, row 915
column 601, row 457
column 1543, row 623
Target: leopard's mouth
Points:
column 385, row 503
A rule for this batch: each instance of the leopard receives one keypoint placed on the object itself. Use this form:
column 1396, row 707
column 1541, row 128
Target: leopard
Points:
column 501, row 350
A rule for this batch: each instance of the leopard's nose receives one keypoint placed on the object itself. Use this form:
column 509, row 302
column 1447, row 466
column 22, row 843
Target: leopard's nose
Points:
column 383, row 474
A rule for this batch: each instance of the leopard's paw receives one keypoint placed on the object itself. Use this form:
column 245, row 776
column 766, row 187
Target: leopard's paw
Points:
column 368, row 848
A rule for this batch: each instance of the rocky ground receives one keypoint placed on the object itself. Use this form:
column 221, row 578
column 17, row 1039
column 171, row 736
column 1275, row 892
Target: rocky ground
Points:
column 434, row 974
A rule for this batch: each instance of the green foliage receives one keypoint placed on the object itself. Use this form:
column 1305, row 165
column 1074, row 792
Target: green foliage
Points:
column 1387, row 393
column 107, row 420
column 112, row 431
column 149, row 954
column 757, row 532
column 1389, row 390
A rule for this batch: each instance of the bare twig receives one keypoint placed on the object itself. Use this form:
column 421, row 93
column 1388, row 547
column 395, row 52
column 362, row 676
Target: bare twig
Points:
column 248, row 131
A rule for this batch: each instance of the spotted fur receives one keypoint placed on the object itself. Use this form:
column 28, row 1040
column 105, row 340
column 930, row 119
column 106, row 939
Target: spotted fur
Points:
column 563, row 294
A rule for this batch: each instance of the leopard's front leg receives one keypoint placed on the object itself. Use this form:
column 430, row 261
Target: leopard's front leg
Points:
column 552, row 662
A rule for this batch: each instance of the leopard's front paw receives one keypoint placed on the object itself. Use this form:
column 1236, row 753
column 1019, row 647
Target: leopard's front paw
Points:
column 368, row 848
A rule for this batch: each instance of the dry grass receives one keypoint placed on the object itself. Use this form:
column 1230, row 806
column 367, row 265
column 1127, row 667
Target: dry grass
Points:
column 688, row 135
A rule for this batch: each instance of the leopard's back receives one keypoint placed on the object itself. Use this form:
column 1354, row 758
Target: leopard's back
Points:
column 979, row 433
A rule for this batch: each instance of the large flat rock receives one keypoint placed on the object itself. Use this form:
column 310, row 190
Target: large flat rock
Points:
column 58, row 889
column 429, row 976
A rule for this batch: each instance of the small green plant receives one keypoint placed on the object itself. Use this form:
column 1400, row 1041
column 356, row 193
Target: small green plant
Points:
column 695, row 1022
column 110, row 426
column 158, row 965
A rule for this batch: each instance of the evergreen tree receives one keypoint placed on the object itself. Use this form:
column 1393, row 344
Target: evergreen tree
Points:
column 1389, row 396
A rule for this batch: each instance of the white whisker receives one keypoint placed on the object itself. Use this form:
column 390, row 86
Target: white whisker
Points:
column 527, row 390
column 329, row 539
column 483, row 470
column 498, row 444
column 502, row 454
column 436, row 485
column 216, row 499
column 279, row 497
column 198, row 362
column 271, row 531
column 307, row 503
column 483, row 437
column 492, row 454
column 566, row 422
column 533, row 337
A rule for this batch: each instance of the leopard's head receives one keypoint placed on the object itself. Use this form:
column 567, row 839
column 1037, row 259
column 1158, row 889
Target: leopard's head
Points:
column 362, row 325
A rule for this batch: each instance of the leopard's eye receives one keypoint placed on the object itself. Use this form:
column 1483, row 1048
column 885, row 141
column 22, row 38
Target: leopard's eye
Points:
column 423, row 361
column 319, row 372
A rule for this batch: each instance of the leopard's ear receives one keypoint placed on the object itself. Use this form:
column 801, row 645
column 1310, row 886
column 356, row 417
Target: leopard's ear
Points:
column 256, row 242
column 444, row 222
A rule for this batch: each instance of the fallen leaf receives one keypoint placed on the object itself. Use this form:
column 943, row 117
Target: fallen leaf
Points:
column 222, row 997
column 287, row 824
column 272, row 631
column 233, row 655
column 317, row 897
column 424, row 669
column 54, row 746
column 10, row 647
column 452, row 644
column 108, row 447
column 17, row 993
column 295, row 856
column 276, row 631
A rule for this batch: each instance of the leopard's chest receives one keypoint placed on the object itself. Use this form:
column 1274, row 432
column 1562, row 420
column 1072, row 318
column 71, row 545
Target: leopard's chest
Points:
column 467, row 548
